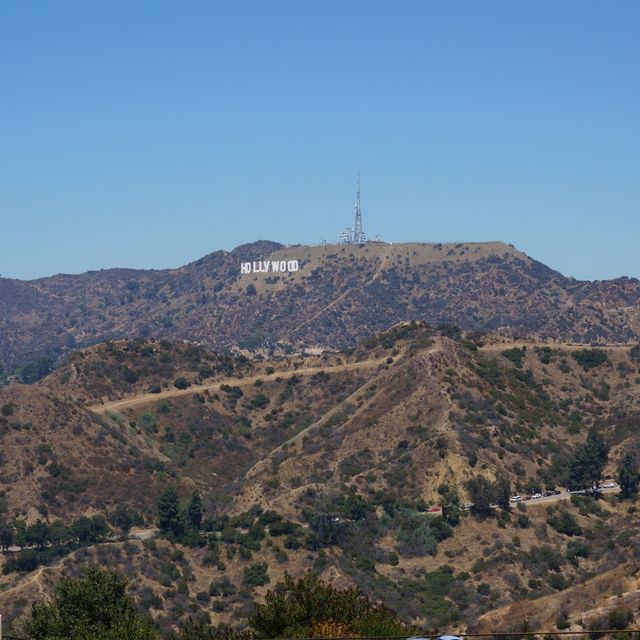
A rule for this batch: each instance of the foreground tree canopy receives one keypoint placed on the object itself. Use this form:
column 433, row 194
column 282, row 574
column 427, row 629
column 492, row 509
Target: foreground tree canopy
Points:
column 309, row 607
column 94, row 607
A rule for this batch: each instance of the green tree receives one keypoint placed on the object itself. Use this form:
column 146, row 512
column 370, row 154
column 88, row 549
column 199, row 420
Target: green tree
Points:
column 90, row 530
column 451, row 504
column 628, row 475
column 58, row 533
column 480, row 493
column 194, row 510
column 588, row 462
column 309, row 606
column 122, row 518
column 7, row 533
column 94, row 607
column 170, row 518
column 37, row 535
column 502, row 490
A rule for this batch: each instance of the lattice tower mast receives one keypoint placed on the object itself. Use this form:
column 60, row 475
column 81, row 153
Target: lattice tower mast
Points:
column 358, row 233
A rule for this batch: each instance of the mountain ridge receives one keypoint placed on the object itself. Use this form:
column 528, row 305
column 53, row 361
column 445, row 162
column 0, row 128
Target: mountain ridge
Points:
column 340, row 295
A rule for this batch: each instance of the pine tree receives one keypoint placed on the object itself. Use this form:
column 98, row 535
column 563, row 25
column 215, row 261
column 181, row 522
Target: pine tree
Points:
column 588, row 462
column 502, row 490
column 481, row 492
column 194, row 510
column 628, row 475
column 169, row 516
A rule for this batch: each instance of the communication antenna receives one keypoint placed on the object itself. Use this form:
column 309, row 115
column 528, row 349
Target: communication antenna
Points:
column 358, row 233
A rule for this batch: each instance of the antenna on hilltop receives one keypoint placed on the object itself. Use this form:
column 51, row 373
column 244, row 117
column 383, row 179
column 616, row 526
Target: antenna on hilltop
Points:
column 355, row 234
column 358, row 233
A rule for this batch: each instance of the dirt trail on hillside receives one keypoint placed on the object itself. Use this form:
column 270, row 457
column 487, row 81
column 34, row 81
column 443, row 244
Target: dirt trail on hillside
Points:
column 134, row 401
column 34, row 578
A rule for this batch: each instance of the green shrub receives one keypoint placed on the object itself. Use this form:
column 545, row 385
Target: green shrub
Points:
column 181, row 383
column 234, row 393
column 577, row 549
column 148, row 422
column 259, row 402
column 589, row 358
column 7, row 409
column 256, row 575
column 364, row 563
column 222, row 587
column 620, row 618
column 545, row 354
column 565, row 522
column 556, row 581
column 283, row 528
column 515, row 355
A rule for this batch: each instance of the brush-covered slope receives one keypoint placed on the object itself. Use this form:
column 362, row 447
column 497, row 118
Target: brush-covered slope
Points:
column 197, row 420
column 338, row 463
column 339, row 296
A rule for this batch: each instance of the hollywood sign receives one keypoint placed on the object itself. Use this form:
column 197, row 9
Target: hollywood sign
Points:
column 269, row 266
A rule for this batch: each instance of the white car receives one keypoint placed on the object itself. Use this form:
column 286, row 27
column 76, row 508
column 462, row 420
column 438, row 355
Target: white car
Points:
column 515, row 499
column 609, row 485
column 535, row 496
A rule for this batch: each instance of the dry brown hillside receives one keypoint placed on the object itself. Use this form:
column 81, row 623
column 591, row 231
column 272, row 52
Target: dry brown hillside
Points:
column 337, row 463
column 340, row 295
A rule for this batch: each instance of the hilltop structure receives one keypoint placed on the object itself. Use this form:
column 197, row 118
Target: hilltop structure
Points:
column 355, row 234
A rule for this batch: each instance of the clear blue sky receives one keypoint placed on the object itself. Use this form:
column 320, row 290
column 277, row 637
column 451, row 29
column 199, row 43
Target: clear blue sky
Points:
column 149, row 133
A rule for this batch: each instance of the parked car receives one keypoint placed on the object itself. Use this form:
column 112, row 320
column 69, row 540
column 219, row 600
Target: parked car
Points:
column 515, row 499
column 609, row 485
column 536, row 495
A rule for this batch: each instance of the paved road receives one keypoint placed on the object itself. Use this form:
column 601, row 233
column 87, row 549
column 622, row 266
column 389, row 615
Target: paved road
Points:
column 134, row 534
column 563, row 495
column 566, row 495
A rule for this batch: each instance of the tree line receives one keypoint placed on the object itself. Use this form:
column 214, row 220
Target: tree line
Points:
column 96, row 607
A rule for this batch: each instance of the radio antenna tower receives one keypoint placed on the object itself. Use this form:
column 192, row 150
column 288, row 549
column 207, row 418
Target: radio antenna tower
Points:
column 358, row 233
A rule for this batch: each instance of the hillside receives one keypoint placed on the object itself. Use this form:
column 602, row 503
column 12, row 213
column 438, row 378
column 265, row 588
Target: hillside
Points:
column 333, row 462
column 339, row 296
